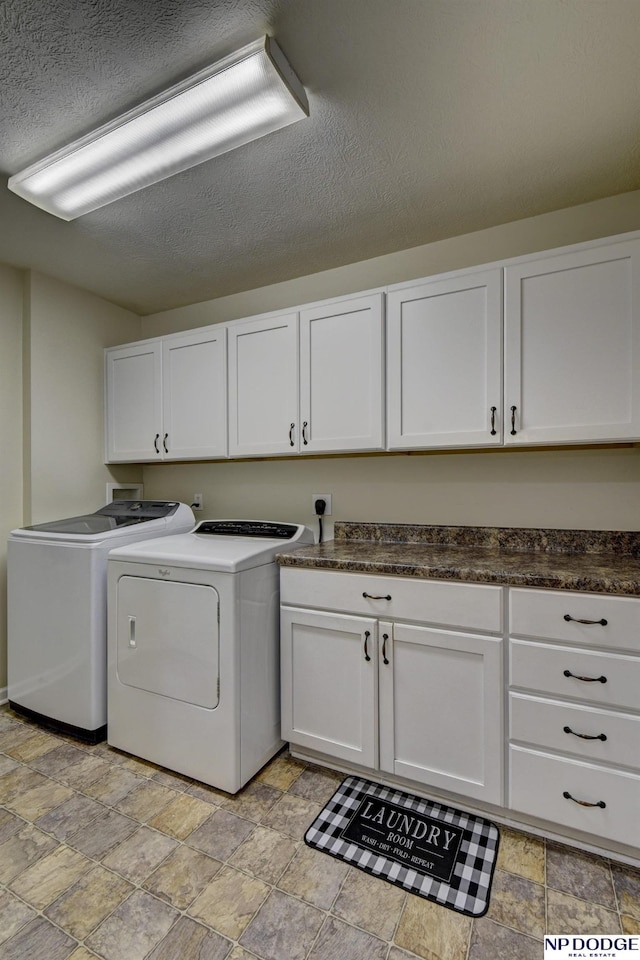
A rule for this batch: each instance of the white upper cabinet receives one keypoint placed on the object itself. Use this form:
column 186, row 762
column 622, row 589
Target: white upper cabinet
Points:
column 341, row 376
column 572, row 346
column 535, row 350
column 134, row 401
column 444, row 370
column 194, row 387
column 263, row 386
column 166, row 398
column 308, row 383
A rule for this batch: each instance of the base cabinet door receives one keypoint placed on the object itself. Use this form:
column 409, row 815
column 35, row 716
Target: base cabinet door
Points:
column 329, row 684
column 441, row 709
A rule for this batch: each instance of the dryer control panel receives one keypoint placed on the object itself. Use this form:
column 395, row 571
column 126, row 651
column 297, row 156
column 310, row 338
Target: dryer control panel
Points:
column 249, row 528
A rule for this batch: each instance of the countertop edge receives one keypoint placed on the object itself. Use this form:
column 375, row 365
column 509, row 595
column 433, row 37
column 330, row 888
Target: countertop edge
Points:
column 468, row 574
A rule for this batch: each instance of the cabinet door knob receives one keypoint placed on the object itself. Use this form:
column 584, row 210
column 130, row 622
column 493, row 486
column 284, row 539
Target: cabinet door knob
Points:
column 385, row 637
column 373, row 596
column 493, row 421
column 575, row 676
column 584, row 803
column 164, row 442
column 513, row 421
column 571, row 619
column 586, row 736
column 291, row 443
column 155, row 443
column 366, row 641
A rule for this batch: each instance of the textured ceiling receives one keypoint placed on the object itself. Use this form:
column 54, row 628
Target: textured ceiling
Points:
column 429, row 119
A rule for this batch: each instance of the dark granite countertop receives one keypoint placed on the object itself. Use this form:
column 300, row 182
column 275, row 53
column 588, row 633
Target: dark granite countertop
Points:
column 585, row 560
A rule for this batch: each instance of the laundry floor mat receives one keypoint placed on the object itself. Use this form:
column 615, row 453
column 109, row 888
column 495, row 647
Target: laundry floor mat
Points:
column 434, row 851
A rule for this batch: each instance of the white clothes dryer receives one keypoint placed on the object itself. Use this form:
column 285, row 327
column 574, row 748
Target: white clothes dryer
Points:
column 57, row 610
column 194, row 651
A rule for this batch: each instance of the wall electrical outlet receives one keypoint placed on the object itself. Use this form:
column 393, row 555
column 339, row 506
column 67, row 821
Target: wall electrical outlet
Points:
column 196, row 503
column 321, row 496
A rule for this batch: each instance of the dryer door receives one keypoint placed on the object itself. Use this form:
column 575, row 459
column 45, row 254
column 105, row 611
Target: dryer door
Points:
column 168, row 639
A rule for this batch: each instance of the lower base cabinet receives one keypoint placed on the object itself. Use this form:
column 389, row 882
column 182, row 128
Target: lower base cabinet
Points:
column 404, row 679
column 574, row 754
column 418, row 702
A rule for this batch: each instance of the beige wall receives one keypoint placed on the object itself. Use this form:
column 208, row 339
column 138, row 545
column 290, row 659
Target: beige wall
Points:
column 603, row 218
column 69, row 329
column 11, row 304
column 592, row 488
column 52, row 337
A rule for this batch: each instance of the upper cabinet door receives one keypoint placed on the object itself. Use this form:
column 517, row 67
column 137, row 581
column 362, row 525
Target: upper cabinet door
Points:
column 572, row 347
column 341, row 376
column 134, row 402
column 444, row 371
column 263, row 387
column 194, row 372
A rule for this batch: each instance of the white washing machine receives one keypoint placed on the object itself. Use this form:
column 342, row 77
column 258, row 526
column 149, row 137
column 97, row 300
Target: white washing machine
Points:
column 57, row 610
column 193, row 649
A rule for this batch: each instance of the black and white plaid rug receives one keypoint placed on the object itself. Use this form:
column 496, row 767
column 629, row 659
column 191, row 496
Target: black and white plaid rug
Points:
column 436, row 852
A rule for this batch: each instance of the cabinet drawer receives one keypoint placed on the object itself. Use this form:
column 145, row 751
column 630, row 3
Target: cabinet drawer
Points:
column 539, row 781
column 542, row 613
column 542, row 667
column 467, row 605
column 564, row 727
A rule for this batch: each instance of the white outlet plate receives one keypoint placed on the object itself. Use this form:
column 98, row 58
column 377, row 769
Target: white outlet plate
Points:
column 196, row 503
column 321, row 496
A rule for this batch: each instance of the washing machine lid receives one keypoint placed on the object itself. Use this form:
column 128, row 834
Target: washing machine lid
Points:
column 107, row 522
column 228, row 546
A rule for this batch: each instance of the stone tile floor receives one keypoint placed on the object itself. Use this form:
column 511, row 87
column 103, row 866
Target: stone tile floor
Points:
column 103, row 855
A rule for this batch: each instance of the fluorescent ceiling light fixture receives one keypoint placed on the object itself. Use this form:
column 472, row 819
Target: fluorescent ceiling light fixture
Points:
column 241, row 98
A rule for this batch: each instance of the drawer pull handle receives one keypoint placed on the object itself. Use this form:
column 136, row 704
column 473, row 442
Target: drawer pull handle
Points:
column 304, row 433
column 569, row 618
column 493, row 421
column 155, row 443
column 513, row 421
column 291, row 443
column 373, row 596
column 586, row 736
column 584, row 803
column 385, row 637
column 366, row 641
column 575, row 676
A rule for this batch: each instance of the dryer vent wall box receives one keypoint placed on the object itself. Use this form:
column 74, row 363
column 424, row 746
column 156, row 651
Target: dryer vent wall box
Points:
column 57, row 598
column 193, row 649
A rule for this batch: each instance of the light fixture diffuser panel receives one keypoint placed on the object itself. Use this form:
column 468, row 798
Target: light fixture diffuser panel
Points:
column 243, row 97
